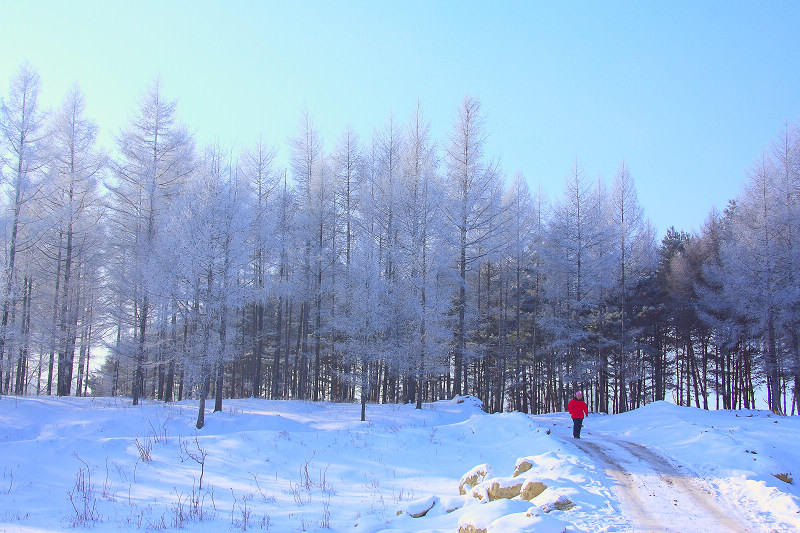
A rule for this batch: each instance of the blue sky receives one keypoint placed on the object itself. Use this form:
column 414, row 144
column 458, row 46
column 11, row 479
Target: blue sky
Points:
column 689, row 94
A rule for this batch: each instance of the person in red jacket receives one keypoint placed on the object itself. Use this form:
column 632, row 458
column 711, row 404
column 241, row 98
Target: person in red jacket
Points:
column 577, row 410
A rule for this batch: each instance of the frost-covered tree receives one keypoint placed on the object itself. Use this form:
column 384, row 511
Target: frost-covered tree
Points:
column 263, row 185
column 156, row 158
column 361, row 325
column 347, row 163
column 348, row 169
column 692, row 303
column 474, row 190
column 387, row 149
column 316, row 224
column 786, row 157
column 286, row 285
column 522, row 232
column 752, row 263
column 749, row 292
column 578, row 236
column 635, row 253
column 209, row 258
column 74, row 236
column 424, row 254
column 24, row 154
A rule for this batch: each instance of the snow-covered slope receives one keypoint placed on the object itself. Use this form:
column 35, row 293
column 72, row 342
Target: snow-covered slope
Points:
column 300, row 466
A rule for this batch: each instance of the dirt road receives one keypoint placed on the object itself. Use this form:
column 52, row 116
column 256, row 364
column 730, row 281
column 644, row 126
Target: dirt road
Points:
column 656, row 494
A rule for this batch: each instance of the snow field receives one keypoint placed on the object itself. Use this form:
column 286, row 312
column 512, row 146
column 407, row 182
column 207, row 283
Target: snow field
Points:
column 299, row 466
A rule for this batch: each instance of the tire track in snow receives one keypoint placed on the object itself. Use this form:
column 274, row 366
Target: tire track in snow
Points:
column 655, row 494
column 628, row 494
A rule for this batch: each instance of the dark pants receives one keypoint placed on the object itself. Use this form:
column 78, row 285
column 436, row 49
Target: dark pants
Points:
column 577, row 424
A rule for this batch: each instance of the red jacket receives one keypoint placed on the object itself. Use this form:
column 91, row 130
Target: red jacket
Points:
column 577, row 408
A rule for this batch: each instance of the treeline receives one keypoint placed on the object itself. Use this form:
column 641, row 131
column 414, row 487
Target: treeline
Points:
column 387, row 269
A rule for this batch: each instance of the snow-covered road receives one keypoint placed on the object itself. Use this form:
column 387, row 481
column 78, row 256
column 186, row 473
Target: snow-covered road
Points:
column 654, row 492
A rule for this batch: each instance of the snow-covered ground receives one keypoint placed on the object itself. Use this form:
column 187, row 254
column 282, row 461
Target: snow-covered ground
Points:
column 278, row 466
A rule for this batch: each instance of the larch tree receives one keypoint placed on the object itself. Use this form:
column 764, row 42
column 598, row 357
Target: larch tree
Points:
column 24, row 137
column 315, row 197
column 574, row 231
column 717, row 306
column 347, row 166
column 474, row 190
column 522, row 249
column 212, row 255
column 786, row 157
column 424, row 254
column 370, row 323
column 156, row 159
column 634, row 256
column 388, row 146
column 286, row 284
column 264, row 187
column 73, row 200
column 753, row 281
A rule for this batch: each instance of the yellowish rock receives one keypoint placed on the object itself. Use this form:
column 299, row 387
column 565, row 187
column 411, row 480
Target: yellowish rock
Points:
column 499, row 491
column 473, row 478
column 469, row 528
column 522, row 466
column 532, row 489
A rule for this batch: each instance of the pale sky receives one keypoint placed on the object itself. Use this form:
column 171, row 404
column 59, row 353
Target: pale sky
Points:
column 689, row 94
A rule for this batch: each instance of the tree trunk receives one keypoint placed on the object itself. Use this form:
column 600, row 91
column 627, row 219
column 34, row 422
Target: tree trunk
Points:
column 201, row 411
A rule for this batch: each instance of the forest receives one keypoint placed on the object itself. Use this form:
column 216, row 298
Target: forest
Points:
column 391, row 269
